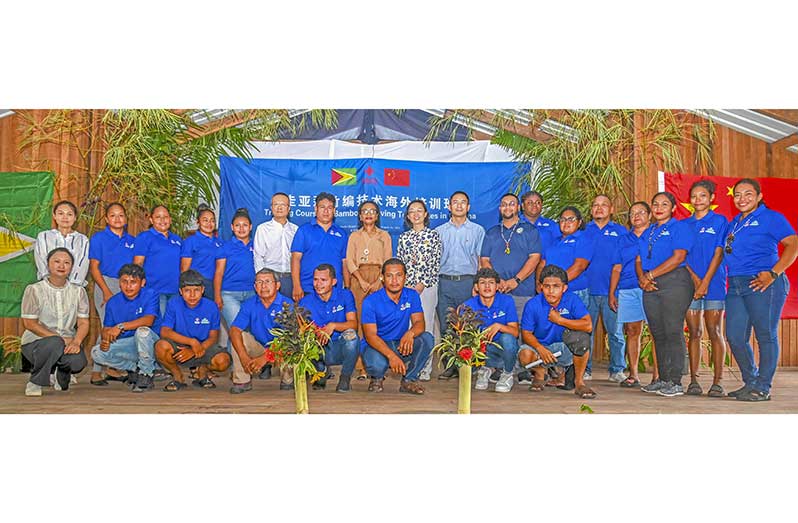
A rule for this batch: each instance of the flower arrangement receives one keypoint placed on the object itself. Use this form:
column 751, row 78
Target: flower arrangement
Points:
column 464, row 344
column 10, row 354
column 298, row 343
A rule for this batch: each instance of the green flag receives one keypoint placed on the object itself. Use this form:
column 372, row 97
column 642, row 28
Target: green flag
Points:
column 25, row 200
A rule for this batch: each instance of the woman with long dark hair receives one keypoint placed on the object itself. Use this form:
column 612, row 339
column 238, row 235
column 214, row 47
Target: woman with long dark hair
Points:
column 157, row 249
column 200, row 249
column 757, row 286
column 667, row 290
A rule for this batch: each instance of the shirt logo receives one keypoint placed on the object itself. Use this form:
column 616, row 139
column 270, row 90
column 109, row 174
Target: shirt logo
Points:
column 404, row 306
column 139, row 310
column 336, row 233
column 129, row 245
column 174, row 242
column 203, row 321
column 753, row 223
column 336, row 308
column 707, row 230
column 563, row 311
column 519, row 230
column 610, row 233
column 498, row 314
column 569, row 240
column 665, row 233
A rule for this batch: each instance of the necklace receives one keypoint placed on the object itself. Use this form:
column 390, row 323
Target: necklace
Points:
column 736, row 228
column 651, row 241
column 507, row 240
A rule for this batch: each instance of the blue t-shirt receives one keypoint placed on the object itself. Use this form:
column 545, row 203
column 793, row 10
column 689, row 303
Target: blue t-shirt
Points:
column 194, row 323
column 257, row 319
column 566, row 250
column 625, row 255
column 333, row 310
column 710, row 234
column 120, row 309
column 549, row 230
column 111, row 251
column 502, row 311
column 524, row 241
column 392, row 319
column 161, row 259
column 202, row 250
column 319, row 246
column 239, row 271
column 535, row 317
column 658, row 242
column 605, row 244
column 756, row 241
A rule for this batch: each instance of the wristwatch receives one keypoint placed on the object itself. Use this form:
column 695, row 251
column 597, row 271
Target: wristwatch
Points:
column 774, row 274
column 517, row 280
column 121, row 327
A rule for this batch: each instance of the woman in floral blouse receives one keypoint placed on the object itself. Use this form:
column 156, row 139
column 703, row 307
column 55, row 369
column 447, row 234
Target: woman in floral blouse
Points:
column 420, row 248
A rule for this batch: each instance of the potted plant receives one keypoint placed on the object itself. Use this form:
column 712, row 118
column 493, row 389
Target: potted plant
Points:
column 464, row 344
column 298, row 343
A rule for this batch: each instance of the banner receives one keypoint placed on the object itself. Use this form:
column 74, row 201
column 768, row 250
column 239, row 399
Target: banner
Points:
column 392, row 184
column 778, row 195
column 24, row 212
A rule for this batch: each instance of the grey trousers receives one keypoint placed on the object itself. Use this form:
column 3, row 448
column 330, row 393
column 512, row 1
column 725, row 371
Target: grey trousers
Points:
column 47, row 353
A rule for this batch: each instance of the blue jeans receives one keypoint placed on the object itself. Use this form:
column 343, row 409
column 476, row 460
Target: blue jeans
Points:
column 342, row 352
column 617, row 343
column 746, row 308
column 506, row 356
column 128, row 353
column 564, row 360
column 163, row 299
column 451, row 294
column 231, row 304
column 377, row 364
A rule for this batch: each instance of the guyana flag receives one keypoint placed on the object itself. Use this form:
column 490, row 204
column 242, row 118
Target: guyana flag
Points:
column 344, row 176
column 24, row 211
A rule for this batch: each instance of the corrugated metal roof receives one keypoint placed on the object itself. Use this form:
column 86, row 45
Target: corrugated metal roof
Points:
column 752, row 123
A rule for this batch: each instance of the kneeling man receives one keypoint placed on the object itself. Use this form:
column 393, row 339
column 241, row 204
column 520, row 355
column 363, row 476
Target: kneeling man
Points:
column 556, row 321
column 127, row 341
column 250, row 333
column 500, row 321
column 332, row 309
column 189, row 332
column 393, row 328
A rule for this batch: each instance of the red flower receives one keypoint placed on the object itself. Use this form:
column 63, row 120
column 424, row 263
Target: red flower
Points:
column 465, row 353
column 482, row 346
column 269, row 356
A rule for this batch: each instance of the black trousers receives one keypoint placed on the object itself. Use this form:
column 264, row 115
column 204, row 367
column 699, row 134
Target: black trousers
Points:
column 46, row 353
column 665, row 309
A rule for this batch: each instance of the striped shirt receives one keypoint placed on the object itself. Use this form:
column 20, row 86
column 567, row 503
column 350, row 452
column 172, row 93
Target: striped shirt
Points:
column 77, row 243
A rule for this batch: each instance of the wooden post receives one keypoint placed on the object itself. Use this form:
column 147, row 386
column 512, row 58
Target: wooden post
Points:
column 300, row 392
column 464, row 395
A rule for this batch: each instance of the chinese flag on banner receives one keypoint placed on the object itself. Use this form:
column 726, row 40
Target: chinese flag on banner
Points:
column 397, row 177
column 777, row 194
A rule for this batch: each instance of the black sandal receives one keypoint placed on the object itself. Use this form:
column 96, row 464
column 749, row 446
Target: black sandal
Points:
column 174, row 386
column 204, row 383
column 99, row 383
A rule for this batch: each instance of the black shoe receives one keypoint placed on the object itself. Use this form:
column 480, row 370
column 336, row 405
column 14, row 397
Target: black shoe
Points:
column 286, row 386
column 265, row 373
column 753, row 395
column 143, row 383
column 494, row 376
column 132, row 379
column 570, row 376
column 161, row 375
column 449, row 373
column 343, row 383
column 320, row 384
column 742, row 390
column 524, row 377
column 62, row 378
column 329, row 374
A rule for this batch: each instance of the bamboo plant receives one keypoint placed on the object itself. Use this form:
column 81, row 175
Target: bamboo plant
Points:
column 463, row 345
column 298, row 343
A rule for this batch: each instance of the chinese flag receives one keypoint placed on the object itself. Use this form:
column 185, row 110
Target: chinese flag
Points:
column 778, row 194
column 397, row 177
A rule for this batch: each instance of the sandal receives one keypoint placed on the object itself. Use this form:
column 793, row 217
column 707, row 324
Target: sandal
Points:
column 174, row 386
column 716, row 391
column 411, row 387
column 585, row 392
column 375, row 385
column 204, row 383
column 694, row 389
column 537, row 385
column 630, row 383
column 100, row 383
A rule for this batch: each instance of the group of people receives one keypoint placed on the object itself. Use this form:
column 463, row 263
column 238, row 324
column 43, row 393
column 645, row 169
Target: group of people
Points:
column 539, row 286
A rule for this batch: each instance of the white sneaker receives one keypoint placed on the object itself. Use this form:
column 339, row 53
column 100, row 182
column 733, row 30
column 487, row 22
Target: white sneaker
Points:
column 587, row 376
column 617, row 377
column 483, row 378
column 423, row 376
column 31, row 389
column 505, row 383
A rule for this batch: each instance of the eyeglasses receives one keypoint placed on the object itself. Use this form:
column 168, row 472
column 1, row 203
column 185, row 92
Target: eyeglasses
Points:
column 729, row 240
column 368, row 211
column 569, row 219
column 264, row 283
column 508, row 204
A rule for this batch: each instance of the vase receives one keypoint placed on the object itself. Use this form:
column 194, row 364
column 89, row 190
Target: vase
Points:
column 300, row 392
column 464, row 396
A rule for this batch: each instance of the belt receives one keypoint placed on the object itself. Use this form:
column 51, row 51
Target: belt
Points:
column 282, row 274
column 458, row 277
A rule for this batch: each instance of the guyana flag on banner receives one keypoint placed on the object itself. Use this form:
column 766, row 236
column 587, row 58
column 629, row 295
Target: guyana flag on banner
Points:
column 24, row 211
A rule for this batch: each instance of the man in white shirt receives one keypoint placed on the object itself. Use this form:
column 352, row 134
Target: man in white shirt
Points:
column 272, row 244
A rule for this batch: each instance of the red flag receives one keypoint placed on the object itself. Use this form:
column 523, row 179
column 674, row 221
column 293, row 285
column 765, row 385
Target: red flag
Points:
column 778, row 195
column 397, row 177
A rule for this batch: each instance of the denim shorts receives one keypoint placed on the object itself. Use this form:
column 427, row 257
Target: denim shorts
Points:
column 206, row 358
column 707, row 305
column 630, row 306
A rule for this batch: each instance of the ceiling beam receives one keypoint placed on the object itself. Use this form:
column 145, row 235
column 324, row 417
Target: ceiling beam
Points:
column 789, row 116
column 508, row 125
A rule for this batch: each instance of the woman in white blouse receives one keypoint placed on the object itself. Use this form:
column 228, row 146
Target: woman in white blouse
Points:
column 65, row 214
column 55, row 314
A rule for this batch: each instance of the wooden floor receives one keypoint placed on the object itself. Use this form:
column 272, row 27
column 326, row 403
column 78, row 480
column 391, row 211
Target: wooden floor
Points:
column 440, row 398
